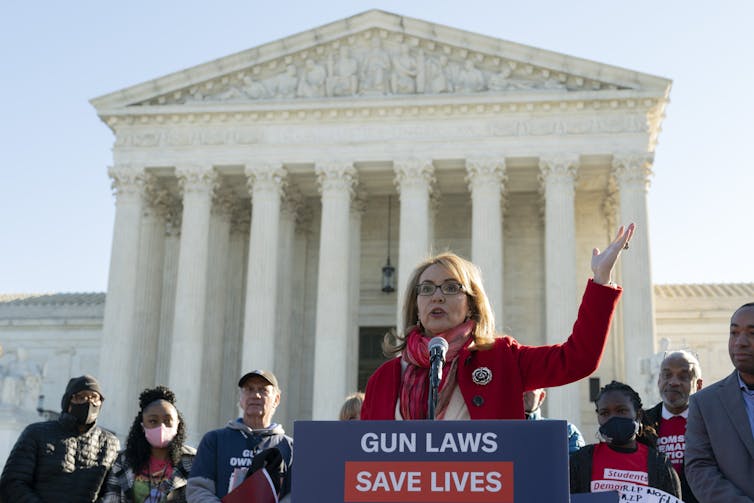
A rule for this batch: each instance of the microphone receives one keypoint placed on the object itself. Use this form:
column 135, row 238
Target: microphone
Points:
column 438, row 348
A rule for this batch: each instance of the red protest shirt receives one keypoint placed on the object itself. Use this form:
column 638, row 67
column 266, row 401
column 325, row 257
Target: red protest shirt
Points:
column 612, row 469
column 671, row 440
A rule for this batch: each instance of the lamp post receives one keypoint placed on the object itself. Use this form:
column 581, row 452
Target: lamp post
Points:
column 388, row 271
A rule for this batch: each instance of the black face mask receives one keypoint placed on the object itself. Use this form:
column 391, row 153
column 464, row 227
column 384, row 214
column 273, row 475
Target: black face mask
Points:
column 85, row 413
column 619, row 430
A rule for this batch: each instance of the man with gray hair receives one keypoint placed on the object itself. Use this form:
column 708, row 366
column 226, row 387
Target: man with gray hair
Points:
column 680, row 376
column 226, row 456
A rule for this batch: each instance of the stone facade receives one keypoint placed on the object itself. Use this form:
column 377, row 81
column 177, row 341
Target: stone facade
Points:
column 252, row 198
column 520, row 158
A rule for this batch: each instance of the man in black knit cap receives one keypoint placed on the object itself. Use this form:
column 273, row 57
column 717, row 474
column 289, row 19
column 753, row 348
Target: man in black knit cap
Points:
column 64, row 459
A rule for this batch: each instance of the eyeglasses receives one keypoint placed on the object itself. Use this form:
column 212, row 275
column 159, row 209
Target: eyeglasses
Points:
column 86, row 396
column 263, row 391
column 447, row 288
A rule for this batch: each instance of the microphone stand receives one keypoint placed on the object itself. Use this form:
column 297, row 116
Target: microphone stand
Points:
column 435, row 376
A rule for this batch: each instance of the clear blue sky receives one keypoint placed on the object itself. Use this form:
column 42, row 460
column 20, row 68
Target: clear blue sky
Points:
column 56, row 208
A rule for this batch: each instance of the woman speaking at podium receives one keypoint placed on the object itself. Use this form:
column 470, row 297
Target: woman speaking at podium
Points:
column 485, row 373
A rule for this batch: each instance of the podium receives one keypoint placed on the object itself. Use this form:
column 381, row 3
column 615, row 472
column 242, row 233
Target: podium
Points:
column 433, row 462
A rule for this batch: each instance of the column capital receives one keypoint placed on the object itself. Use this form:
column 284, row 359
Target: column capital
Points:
column 556, row 163
column 157, row 198
column 266, row 177
column 435, row 197
column 561, row 169
column 359, row 202
column 483, row 171
column 240, row 217
column 174, row 217
column 127, row 179
column 196, row 178
column 336, row 176
column 633, row 167
column 293, row 202
column 222, row 201
column 414, row 173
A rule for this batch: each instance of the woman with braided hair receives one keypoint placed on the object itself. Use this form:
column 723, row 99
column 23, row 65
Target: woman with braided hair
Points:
column 156, row 464
column 626, row 455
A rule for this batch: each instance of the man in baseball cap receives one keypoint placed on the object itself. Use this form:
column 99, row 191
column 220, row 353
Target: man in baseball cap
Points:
column 266, row 375
column 225, row 455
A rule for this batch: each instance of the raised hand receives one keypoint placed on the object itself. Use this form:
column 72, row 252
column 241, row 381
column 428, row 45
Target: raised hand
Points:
column 603, row 262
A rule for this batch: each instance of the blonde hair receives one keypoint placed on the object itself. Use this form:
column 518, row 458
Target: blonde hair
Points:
column 351, row 408
column 469, row 276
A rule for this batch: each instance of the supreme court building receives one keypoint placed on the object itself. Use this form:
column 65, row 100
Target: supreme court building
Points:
column 259, row 196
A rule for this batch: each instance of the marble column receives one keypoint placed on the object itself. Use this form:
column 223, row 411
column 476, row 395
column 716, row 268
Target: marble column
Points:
column 234, row 307
column 336, row 183
column 117, row 358
column 266, row 184
column 557, row 176
column 149, row 288
column 414, row 180
column 299, row 394
column 214, row 323
column 197, row 184
column 286, row 342
column 632, row 172
column 169, row 280
column 486, row 178
column 358, row 206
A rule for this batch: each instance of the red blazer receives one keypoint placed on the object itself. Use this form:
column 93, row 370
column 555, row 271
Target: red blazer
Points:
column 513, row 367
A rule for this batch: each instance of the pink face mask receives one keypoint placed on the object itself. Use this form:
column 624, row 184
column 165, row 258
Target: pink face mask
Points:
column 161, row 435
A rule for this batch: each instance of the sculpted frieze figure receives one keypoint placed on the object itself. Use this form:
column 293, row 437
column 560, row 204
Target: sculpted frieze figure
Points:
column 405, row 72
column 344, row 79
column 553, row 84
column 249, row 89
column 20, row 380
column 254, row 89
column 313, row 80
column 500, row 81
column 470, row 79
column 436, row 75
column 377, row 65
column 285, row 85
column 194, row 94
column 650, row 369
column 374, row 74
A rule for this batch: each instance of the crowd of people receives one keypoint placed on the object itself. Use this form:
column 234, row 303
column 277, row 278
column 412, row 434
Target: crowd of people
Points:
column 696, row 444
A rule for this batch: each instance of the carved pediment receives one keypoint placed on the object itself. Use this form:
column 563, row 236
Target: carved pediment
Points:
column 377, row 63
column 379, row 54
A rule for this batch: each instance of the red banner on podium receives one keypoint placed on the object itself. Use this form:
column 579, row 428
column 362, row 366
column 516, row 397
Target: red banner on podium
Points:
column 429, row 481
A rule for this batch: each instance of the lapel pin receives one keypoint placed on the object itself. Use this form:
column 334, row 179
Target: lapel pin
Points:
column 481, row 376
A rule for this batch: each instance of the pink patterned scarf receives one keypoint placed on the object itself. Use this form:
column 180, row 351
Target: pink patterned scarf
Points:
column 415, row 382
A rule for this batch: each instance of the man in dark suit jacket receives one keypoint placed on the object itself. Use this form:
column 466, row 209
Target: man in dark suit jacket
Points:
column 719, row 433
column 680, row 377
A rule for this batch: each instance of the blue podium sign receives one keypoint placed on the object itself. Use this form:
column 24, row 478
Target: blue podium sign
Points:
column 606, row 497
column 430, row 461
